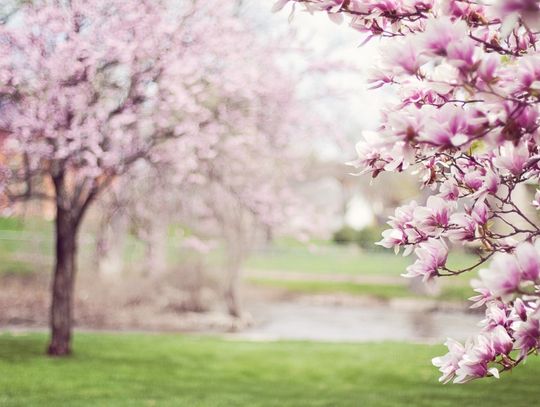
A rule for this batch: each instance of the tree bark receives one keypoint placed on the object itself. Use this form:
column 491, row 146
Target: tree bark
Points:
column 232, row 289
column 61, row 314
column 232, row 294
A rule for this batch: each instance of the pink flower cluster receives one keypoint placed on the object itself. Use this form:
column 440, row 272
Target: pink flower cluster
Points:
column 511, row 328
column 467, row 123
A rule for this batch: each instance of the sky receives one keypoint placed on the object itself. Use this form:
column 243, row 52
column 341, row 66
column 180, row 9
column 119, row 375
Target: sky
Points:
column 361, row 111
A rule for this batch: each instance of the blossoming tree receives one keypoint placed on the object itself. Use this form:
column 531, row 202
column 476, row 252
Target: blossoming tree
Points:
column 240, row 173
column 468, row 78
column 87, row 89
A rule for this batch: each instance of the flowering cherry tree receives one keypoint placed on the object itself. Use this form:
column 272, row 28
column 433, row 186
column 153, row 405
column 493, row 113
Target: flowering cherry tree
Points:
column 87, row 89
column 240, row 174
column 468, row 78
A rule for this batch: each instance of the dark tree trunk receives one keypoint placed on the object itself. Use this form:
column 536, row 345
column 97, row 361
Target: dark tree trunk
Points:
column 232, row 290
column 232, row 298
column 61, row 316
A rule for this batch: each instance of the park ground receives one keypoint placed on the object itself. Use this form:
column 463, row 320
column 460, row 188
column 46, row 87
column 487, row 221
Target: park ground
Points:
column 176, row 370
column 225, row 369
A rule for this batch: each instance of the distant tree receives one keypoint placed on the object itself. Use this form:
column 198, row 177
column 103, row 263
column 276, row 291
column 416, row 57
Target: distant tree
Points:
column 240, row 175
column 88, row 88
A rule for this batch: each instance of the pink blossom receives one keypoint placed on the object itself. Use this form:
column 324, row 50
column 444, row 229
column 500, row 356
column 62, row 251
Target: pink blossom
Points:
column 496, row 315
column 536, row 201
column 449, row 363
column 527, row 335
column 449, row 191
column 464, row 229
column 473, row 180
column 501, row 341
column 448, row 128
column 442, row 32
column 520, row 309
column 393, row 238
column 432, row 256
column 404, row 55
column 483, row 296
column 436, row 213
column 491, row 182
column 528, row 258
column 512, row 158
column 480, row 212
column 503, row 276
column 474, row 364
column 488, row 68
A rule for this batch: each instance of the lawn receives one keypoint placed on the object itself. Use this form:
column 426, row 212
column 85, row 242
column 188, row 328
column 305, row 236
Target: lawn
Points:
column 174, row 370
column 330, row 258
column 457, row 292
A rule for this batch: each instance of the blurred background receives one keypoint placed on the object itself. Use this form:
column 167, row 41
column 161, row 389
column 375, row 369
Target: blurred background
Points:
column 285, row 235
column 251, row 230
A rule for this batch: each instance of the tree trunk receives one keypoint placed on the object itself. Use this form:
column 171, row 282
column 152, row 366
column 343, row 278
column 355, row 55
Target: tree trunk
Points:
column 232, row 290
column 61, row 316
column 232, row 295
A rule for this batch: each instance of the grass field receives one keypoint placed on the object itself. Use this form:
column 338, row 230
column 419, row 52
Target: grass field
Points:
column 459, row 292
column 173, row 370
column 329, row 258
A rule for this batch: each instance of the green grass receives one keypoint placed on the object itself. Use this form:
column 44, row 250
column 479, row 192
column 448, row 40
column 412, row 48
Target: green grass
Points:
column 174, row 370
column 340, row 260
column 382, row 291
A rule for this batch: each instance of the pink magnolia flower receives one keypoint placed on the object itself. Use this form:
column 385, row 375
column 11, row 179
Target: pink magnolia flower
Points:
column 483, row 296
column 528, row 73
column 403, row 215
column 449, row 191
column 442, row 32
column 449, row 363
column 436, row 214
column 393, row 238
column 464, row 228
column 448, row 127
column 404, row 55
column 512, row 158
column 461, row 52
column 536, row 201
column 496, row 315
column 480, row 212
column 501, row 341
column 488, row 68
column 473, row 180
column 432, row 255
column 528, row 258
column 491, row 182
column 527, row 335
column 520, row 309
column 503, row 277
column 474, row 364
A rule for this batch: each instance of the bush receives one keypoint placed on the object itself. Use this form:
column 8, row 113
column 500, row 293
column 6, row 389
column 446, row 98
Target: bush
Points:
column 364, row 238
column 345, row 235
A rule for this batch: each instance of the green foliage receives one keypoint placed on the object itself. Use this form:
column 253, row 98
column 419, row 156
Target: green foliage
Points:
column 174, row 370
column 345, row 235
column 364, row 238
